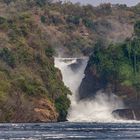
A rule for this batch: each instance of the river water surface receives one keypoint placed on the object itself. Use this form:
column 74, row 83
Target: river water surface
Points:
column 71, row 131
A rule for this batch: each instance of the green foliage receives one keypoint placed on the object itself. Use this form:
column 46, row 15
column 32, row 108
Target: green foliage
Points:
column 73, row 19
column 8, row 1
column 2, row 20
column 136, row 82
column 42, row 3
column 4, row 85
column 27, row 51
column 55, row 19
column 23, row 55
column 137, row 9
column 19, row 27
column 88, row 23
column 118, row 62
column 3, row 23
column 49, row 52
column 62, row 105
column 137, row 28
column 43, row 19
column 7, row 56
column 30, row 86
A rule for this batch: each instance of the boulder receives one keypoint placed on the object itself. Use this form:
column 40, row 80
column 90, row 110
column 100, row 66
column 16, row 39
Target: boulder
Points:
column 127, row 114
column 76, row 66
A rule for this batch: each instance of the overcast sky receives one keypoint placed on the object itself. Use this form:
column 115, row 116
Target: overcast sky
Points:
column 97, row 2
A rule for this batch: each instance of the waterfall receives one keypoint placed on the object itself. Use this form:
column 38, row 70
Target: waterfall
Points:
column 98, row 109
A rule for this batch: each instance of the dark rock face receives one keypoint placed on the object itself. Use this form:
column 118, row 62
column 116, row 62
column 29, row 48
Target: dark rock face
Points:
column 94, row 82
column 129, row 114
column 91, row 84
column 76, row 66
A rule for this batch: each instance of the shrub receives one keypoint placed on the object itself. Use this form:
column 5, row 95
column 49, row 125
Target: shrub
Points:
column 49, row 51
column 30, row 86
column 137, row 28
column 4, row 85
column 41, row 3
column 2, row 20
column 7, row 56
column 7, row 1
column 88, row 23
column 3, row 23
column 55, row 19
column 62, row 105
column 23, row 55
column 73, row 19
column 43, row 19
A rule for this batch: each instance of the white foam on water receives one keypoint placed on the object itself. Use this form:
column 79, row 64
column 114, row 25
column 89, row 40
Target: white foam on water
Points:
column 98, row 109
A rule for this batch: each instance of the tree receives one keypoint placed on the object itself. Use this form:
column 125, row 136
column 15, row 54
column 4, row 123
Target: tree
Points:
column 42, row 2
column 7, row 56
column 137, row 28
column 106, row 8
column 43, row 19
column 8, row 1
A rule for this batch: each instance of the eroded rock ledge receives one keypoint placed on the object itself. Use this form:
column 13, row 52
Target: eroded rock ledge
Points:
column 127, row 114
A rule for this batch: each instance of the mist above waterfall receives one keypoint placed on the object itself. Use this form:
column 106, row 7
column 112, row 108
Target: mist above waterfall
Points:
column 98, row 109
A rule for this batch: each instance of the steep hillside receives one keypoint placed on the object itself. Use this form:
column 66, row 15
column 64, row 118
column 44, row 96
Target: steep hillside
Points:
column 31, row 89
column 73, row 29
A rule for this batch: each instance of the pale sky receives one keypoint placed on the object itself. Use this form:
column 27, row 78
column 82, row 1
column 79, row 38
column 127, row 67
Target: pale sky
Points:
column 97, row 2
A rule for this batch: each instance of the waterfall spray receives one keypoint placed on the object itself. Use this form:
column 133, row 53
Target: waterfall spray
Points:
column 99, row 109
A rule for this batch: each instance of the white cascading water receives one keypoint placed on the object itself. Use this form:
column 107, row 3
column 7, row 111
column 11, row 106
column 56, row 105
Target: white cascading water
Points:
column 97, row 110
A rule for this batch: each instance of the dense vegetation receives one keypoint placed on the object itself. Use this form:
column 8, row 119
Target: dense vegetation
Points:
column 27, row 71
column 118, row 66
column 74, row 29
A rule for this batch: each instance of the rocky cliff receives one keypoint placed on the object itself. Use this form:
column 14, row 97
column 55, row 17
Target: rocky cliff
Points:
column 115, row 69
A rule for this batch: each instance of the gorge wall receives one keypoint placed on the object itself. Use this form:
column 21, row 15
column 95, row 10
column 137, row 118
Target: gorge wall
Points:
column 97, row 109
column 115, row 69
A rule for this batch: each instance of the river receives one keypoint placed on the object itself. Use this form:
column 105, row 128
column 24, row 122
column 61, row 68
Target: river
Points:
column 70, row 131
